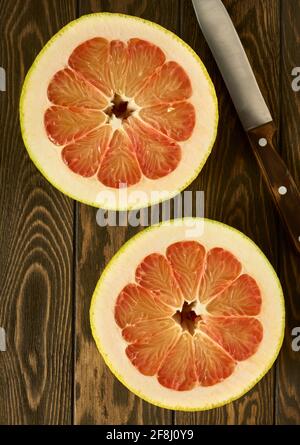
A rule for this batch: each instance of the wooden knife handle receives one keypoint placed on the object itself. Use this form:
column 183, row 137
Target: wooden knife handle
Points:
column 279, row 180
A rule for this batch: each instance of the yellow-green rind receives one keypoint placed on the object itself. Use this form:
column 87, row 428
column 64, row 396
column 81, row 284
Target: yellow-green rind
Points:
column 155, row 25
column 139, row 394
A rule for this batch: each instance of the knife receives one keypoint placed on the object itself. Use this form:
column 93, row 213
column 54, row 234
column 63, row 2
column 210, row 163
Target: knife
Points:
column 251, row 107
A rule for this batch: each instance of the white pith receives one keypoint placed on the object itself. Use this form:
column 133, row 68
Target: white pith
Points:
column 112, row 346
column 199, row 308
column 115, row 122
column 47, row 156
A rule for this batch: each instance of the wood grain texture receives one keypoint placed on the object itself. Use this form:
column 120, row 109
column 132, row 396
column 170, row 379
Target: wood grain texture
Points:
column 234, row 189
column 52, row 252
column 288, row 389
column 35, row 242
column 100, row 398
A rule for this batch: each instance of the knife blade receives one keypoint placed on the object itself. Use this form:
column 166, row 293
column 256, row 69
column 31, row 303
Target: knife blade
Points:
column 252, row 109
column 232, row 61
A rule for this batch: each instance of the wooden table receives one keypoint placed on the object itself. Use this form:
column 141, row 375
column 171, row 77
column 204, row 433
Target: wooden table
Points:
column 52, row 251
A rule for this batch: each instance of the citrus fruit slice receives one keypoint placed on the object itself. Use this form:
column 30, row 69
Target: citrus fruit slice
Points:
column 188, row 319
column 115, row 102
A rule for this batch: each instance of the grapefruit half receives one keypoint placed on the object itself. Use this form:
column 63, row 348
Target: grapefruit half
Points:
column 115, row 102
column 188, row 322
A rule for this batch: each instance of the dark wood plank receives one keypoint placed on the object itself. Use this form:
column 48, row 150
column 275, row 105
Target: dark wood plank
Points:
column 288, row 390
column 100, row 398
column 234, row 190
column 35, row 242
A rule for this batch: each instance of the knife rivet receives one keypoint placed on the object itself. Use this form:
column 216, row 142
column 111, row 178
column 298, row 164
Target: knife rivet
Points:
column 282, row 190
column 262, row 142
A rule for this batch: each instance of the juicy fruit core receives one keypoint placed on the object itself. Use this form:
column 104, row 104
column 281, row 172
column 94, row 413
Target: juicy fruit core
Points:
column 119, row 108
column 190, row 316
column 187, row 317
column 119, row 111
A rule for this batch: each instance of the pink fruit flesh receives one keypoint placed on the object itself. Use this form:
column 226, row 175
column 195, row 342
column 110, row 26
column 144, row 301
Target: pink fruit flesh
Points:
column 158, row 316
column 91, row 91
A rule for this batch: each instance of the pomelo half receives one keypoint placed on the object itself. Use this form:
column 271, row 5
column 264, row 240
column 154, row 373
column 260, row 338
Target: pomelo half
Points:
column 115, row 102
column 189, row 320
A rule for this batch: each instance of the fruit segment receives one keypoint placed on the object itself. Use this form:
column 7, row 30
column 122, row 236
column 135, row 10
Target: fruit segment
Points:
column 69, row 89
column 90, row 59
column 119, row 166
column 143, row 331
column 220, row 270
column 155, row 273
column 168, row 84
column 144, row 59
column 83, row 157
column 212, row 363
column 175, row 120
column 242, row 297
column 136, row 304
column 187, row 260
column 178, row 369
column 157, row 155
column 239, row 336
column 65, row 125
column 147, row 356
column 119, row 60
